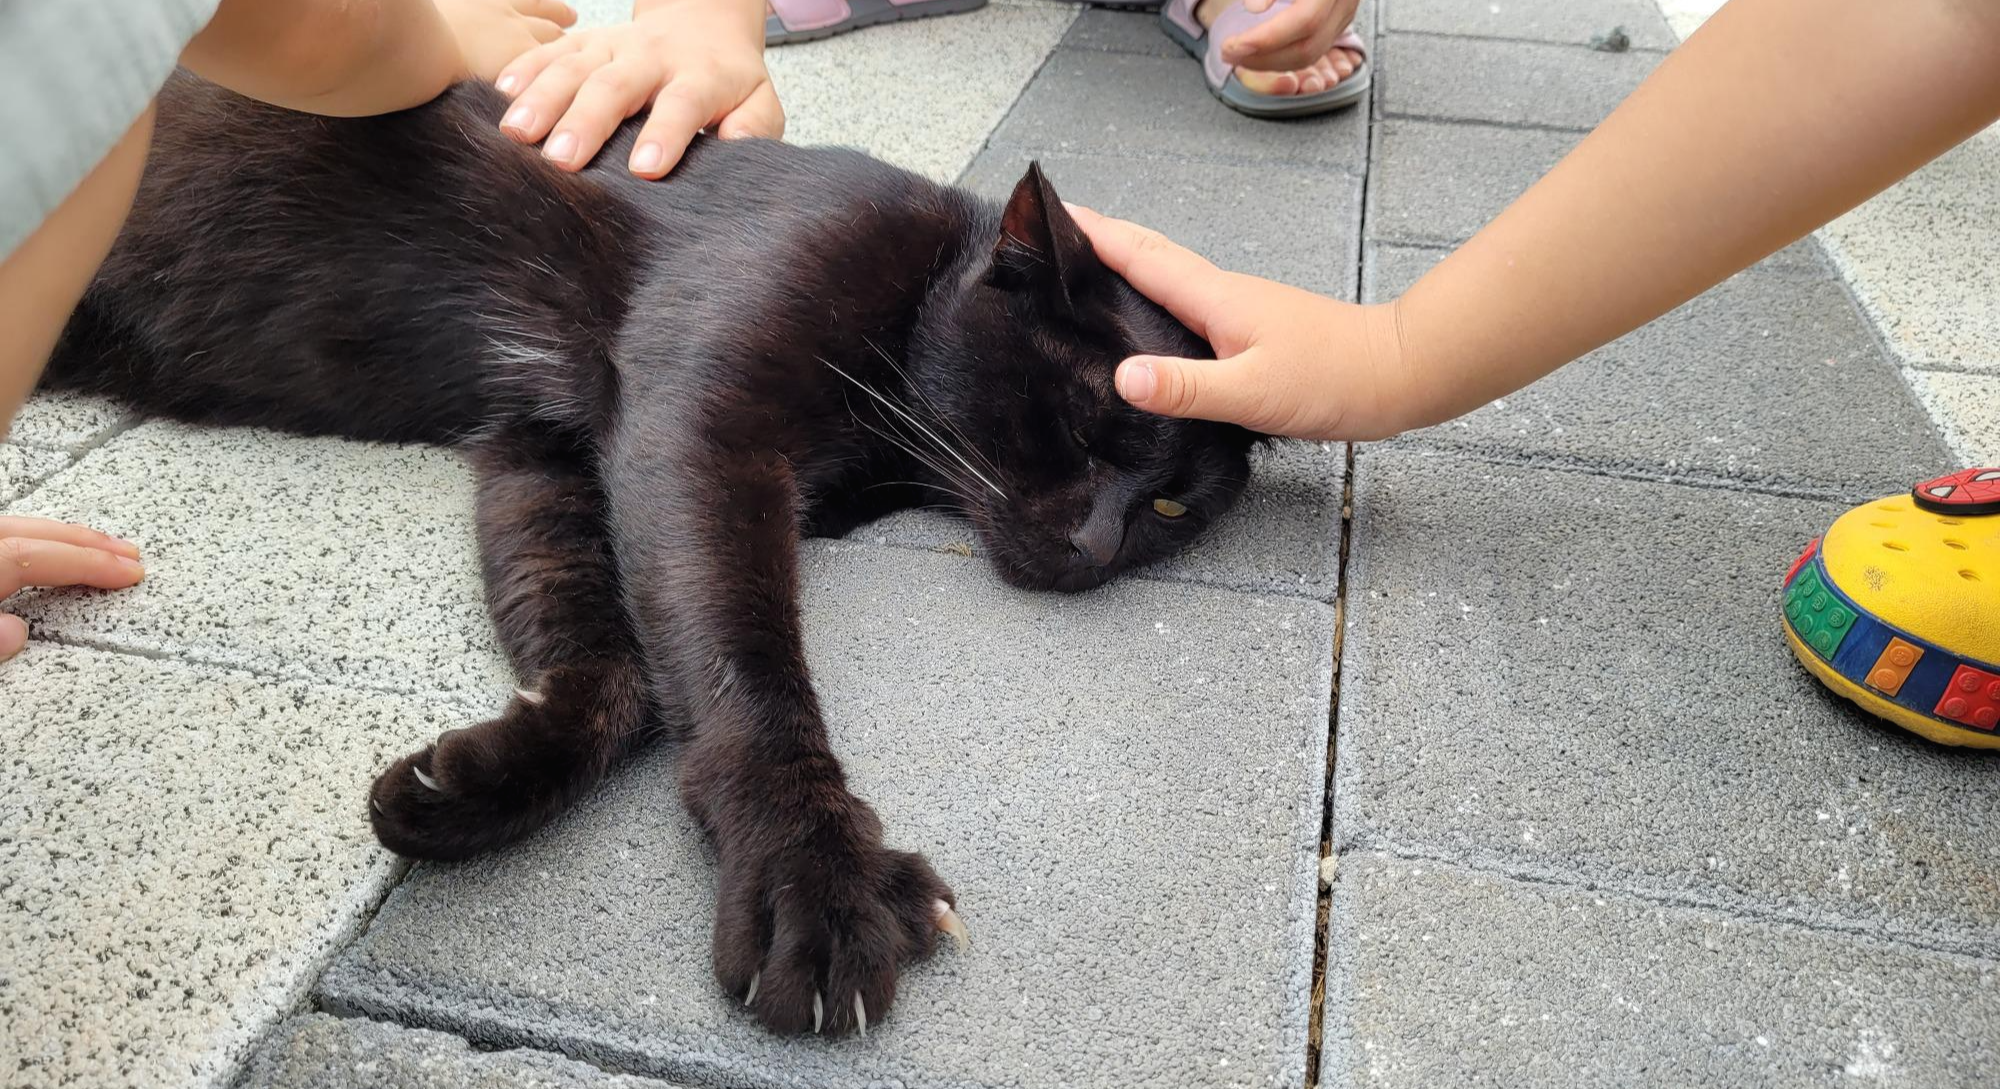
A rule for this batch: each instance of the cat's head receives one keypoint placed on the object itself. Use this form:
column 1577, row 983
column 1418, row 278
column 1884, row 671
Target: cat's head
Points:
column 1066, row 483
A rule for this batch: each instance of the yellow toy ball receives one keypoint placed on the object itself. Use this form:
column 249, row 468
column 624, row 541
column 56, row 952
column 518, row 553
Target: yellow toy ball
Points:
column 1897, row 608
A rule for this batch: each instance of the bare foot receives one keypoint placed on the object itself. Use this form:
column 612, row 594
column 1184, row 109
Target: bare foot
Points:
column 1323, row 74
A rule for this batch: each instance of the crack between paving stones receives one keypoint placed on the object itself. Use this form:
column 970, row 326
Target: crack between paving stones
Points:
column 1701, row 481
column 1483, row 123
column 1730, row 908
column 76, row 453
column 1323, row 907
column 444, row 698
column 1456, row 36
column 1008, row 114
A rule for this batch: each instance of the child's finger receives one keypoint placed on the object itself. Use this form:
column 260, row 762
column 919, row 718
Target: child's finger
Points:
column 1229, row 390
column 1176, row 278
column 537, row 110
column 760, row 115
column 555, row 11
column 522, row 71
column 544, row 31
column 13, row 636
column 611, row 94
column 50, row 530
column 31, row 561
column 679, row 111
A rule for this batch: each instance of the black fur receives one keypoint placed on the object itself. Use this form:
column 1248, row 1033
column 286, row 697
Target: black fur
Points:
column 662, row 387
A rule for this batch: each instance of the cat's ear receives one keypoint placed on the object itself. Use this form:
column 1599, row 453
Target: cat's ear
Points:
column 1040, row 248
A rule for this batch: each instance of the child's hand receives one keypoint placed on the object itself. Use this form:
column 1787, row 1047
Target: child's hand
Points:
column 38, row 552
column 700, row 63
column 1289, row 362
column 491, row 33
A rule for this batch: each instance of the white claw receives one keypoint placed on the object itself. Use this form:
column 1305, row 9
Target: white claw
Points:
column 529, row 695
column 425, row 779
column 949, row 922
column 377, row 807
column 860, row 1014
column 755, row 978
column 819, row 1012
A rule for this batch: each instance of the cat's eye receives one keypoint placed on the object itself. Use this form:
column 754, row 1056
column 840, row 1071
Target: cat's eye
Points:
column 1167, row 508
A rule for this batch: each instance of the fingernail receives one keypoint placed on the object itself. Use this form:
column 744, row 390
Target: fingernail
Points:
column 1136, row 381
column 507, row 84
column 123, row 547
column 647, row 158
column 562, row 146
column 518, row 119
column 132, row 566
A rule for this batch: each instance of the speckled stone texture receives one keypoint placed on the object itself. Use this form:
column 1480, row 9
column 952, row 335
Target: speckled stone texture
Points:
column 320, row 1052
column 292, row 557
column 180, row 851
column 1582, row 679
column 1123, row 788
column 1440, row 976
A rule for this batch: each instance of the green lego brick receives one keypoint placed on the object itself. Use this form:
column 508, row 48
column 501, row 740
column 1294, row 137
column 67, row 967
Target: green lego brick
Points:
column 1820, row 619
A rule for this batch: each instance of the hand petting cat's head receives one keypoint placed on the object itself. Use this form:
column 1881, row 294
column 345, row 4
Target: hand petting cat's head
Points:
column 1066, row 483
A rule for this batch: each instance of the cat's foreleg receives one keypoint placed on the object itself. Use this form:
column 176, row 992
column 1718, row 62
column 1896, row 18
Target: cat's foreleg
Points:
column 552, row 586
column 815, row 915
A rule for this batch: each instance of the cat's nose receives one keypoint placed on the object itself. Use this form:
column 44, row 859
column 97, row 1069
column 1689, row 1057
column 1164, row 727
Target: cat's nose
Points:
column 1098, row 541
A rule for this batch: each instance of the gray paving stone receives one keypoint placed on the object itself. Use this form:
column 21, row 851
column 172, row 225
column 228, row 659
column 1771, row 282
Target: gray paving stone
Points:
column 1584, row 679
column 1770, row 378
column 1157, row 107
column 1108, row 30
column 64, row 421
column 1437, row 181
column 1439, row 976
column 180, row 851
column 346, row 562
column 1288, row 223
column 315, row 1051
column 1282, row 538
column 23, row 467
column 1518, row 83
column 1537, row 20
column 1124, row 789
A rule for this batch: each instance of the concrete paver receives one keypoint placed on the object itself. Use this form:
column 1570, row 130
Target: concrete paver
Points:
column 1770, row 379
column 180, row 851
column 1925, row 273
column 1440, row 976
column 1583, row 679
column 1967, row 409
column 23, row 467
column 1088, row 101
column 1221, row 211
column 1532, row 20
column 315, row 1051
column 316, row 558
column 1113, row 31
column 1123, row 788
column 1434, row 181
column 1516, row 83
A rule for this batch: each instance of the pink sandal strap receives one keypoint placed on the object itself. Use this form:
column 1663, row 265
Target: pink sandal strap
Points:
column 811, row 14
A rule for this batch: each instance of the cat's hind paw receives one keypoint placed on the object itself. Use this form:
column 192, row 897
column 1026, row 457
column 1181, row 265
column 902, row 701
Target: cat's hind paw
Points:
column 483, row 786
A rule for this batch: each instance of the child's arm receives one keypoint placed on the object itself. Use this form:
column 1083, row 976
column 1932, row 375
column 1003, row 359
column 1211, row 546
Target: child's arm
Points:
column 1765, row 124
column 359, row 57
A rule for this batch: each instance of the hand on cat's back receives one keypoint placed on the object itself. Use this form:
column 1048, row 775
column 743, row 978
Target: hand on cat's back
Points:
column 814, row 914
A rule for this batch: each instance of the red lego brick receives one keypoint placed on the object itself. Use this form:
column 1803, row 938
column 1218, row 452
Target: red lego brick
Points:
column 1973, row 698
column 1804, row 558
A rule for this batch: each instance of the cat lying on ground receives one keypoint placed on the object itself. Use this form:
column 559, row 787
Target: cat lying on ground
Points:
column 662, row 387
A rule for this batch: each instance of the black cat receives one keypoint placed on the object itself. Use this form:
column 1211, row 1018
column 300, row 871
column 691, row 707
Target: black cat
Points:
column 662, row 386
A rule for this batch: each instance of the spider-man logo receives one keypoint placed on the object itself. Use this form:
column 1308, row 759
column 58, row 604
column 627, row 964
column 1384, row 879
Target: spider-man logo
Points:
column 1969, row 491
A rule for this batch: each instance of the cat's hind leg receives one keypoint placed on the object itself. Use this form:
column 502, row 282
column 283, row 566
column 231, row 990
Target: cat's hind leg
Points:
column 552, row 587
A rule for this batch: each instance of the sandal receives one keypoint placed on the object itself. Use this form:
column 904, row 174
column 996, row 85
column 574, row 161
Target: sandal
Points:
column 1177, row 18
column 809, row 20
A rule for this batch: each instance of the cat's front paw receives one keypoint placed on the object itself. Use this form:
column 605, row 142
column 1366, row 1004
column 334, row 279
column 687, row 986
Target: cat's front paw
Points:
column 813, row 922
